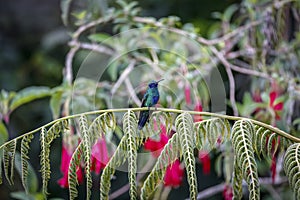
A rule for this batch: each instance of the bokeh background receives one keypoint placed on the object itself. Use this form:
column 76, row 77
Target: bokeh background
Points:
column 33, row 46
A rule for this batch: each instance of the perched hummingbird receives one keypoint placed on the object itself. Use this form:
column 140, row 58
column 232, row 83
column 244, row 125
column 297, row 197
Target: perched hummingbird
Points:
column 150, row 98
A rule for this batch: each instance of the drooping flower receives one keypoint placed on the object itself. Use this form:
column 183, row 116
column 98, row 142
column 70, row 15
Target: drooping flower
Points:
column 174, row 175
column 174, row 172
column 64, row 168
column 276, row 106
column 273, row 168
column 187, row 94
column 205, row 160
column 199, row 108
column 257, row 96
column 99, row 157
column 274, row 157
column 227, row 192
column 156, row 146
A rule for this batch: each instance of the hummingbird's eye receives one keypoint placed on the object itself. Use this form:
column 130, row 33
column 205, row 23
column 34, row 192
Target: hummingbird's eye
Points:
column 151, row 85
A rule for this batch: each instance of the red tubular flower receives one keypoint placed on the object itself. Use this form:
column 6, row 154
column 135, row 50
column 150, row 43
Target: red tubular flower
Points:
column 174, row 175
column 187, row 94
column 205, row 160
column 274, row 158
column 174, row 172
column 99, row 156
column 157, row 146
column 257, row 97
column 273, row 168
column 198, row 107
column 277, row 107
column 64, row 168
column 227, row 192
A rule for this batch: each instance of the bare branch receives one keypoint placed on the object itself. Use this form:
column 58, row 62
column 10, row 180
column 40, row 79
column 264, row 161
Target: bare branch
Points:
column 230, row 78
column 249, row 71
column 211, row 191
column 235, row 32
column 131, row 91
column 125, row 188
column 68, row 65
column 93, row 47
column 123, row 76
column 92, row 24
column 172, row 29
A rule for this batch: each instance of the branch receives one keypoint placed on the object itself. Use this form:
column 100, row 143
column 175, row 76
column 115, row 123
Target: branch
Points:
column 243, row 70
column 93, row 47
column 132, row 93
column 235, row 32
column 206, row 114
column 172, row 29
column 125, row 188
column 74, row 42
column 211, row 191
column 193, row 35
column 230, row 78
column 123, row 76
column 68, row 65
column 87, row 26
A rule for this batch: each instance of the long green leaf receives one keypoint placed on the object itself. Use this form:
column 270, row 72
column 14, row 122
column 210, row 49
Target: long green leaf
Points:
column 72, row 173
column 184, row 127
column 3, row 133
column 31, row 181
column 86, row 153
column 24, row 159
column 44, row 161
column 292, row 168
column 118, row 158
column 242, row 134
column 168, row 155
column 65, row 7
column 130, row 129
column 8, row 159
column 29, row 94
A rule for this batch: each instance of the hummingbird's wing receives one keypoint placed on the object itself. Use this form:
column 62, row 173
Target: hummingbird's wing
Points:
column 144, row 115
column 144, row 100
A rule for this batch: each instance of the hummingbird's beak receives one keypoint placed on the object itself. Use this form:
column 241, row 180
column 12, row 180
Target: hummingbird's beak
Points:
column 160, row 80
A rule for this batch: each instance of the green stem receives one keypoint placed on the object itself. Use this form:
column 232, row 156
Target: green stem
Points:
column 208, row 114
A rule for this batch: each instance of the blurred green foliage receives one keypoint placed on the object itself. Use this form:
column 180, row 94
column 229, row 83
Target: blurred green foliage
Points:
column 34, row 50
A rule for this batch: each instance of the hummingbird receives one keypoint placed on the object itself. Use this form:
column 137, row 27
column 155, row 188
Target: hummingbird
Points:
column 150, row 99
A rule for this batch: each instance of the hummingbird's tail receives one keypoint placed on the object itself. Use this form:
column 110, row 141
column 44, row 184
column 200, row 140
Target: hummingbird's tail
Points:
column 144, row 116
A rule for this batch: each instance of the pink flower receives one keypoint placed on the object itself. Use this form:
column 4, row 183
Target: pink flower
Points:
column 257, row 96
column 198, row 107
column 174, row 175
column 157, row 146
column 64, row 168
column 99, row 156
column 187, row 94
column 273, row 168
column 227, row 192
column 174, row 172
column 274, row 158
column 277, row 107
column 205, row 160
